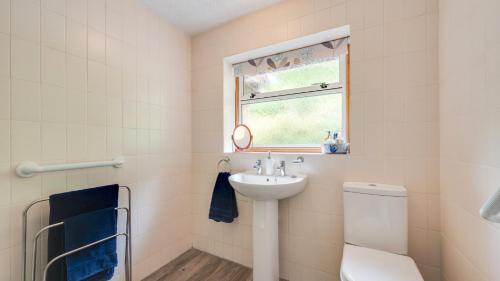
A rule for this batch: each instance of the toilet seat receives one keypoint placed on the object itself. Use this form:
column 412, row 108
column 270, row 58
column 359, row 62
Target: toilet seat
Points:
column 365, row 264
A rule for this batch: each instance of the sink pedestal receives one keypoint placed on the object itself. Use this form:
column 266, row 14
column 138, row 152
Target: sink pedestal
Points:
column 265, row 241
column 266, row 191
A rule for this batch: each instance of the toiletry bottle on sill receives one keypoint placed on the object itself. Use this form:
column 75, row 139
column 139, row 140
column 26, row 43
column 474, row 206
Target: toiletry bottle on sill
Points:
column 333, row 143
column 269, row 165
column 340, row 143
column 328, row 144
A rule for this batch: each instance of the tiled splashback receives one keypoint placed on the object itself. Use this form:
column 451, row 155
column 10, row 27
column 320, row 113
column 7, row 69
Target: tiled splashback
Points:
column 394, row 130
column 86, row 80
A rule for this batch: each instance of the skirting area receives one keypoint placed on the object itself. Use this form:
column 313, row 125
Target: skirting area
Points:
column 195, row 265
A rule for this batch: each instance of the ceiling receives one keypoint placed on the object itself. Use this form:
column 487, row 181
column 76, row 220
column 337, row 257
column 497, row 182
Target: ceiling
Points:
column 195, row 16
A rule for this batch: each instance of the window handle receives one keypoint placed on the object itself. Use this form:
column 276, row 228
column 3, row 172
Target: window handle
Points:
column 323, row 85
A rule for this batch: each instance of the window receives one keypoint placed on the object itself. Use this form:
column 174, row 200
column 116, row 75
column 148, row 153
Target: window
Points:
column 291, row 108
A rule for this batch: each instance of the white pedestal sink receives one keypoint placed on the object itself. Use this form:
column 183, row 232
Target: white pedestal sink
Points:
column 266, row 191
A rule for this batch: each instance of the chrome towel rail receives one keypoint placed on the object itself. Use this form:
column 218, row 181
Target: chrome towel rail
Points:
column 127, row 234
column 28, row 168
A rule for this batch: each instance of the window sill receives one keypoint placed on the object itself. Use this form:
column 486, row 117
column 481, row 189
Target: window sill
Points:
column 287, row 150
column 315, row 150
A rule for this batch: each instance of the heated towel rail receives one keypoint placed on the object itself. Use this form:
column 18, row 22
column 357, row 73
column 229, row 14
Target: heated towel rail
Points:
column 127, row 234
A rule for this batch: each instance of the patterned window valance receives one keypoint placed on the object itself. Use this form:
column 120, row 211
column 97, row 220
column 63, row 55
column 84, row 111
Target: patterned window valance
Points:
column 313, row 54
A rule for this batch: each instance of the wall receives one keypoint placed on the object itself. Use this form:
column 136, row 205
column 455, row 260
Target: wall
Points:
column 470, row 110
column 394, row 130
column 84, row 80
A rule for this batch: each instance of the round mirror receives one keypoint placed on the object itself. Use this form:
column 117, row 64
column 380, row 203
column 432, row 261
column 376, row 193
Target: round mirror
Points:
column 242, row 137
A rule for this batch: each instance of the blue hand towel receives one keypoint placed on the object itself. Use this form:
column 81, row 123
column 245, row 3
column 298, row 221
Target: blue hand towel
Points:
column 223, row 207
column 69, row 204
column 99, row 260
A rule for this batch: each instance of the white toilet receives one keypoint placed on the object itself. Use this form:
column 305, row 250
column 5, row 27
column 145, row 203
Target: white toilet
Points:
column 376, row 234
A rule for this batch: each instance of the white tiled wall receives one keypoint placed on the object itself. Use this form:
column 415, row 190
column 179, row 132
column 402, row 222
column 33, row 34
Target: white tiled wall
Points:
column 470, row 136
column 84, row 80
column 394, row 130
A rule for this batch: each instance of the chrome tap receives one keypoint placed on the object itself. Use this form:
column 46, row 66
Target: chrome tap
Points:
column 282, row 169
column 258, row 167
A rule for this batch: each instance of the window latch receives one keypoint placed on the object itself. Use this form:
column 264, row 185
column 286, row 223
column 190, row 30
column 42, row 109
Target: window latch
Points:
column 322, row 85
column 253, row 95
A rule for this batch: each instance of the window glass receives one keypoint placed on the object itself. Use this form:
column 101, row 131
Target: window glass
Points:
column 299, row 77
column 295, row 121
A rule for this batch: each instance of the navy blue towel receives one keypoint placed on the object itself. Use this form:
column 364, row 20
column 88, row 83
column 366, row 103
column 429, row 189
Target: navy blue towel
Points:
column 100, row 259
column 69, row 204
column 223, row 207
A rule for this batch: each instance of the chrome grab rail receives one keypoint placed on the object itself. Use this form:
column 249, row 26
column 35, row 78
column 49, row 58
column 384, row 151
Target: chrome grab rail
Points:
column 28, row 168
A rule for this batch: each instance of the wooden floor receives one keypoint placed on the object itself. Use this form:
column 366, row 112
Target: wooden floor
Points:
column 195, row 265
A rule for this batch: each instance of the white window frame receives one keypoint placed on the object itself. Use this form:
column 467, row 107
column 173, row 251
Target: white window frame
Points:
column 310, row 91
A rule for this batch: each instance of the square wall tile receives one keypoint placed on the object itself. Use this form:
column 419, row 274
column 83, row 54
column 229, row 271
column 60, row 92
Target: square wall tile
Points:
column 4, row 97
column 25, row 141
column 374, row 13
column 96, row 45
column 113, row 82
column 393, row 10
column 130, row 142
column 53, row 104
column 4, row 142
column 114, row 24
column 96, row 142
column 374, row 37
column 5, row 264
column 114, row 112
column 24, row 190
column 53, row 30
column 53, row 142
column 130, row 115
column 413, row 8
column 77, row 148
column 5, row 172
column 76, row 74
column 25, row 60
column 76, row 38
column 114, row 52
column 96, row 78
column 97, row 14
column 53, row 183
column 25, row 19
column 57, row 6
column 5, row 16
column 96, row 109
column 26, row 101
column 115, row 142
column 4, row 54
column 53, row 67
column 76, row 104
column 77, row 10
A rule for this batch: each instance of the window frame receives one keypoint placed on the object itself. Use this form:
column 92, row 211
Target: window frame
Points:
column 342, row 87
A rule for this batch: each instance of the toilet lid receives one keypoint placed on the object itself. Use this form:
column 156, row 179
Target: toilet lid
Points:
column 364, row 264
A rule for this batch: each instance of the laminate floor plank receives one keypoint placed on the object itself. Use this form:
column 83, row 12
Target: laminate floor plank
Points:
column 195, row 265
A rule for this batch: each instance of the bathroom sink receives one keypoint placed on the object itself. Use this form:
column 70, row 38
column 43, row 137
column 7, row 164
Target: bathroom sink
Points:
column 263, row 188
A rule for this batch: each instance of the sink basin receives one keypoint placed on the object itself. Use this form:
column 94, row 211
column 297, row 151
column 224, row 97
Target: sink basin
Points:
column 266, row 191
column 265, row 188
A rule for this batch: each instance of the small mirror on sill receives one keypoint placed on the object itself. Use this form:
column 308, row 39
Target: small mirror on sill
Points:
column 242, row 137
